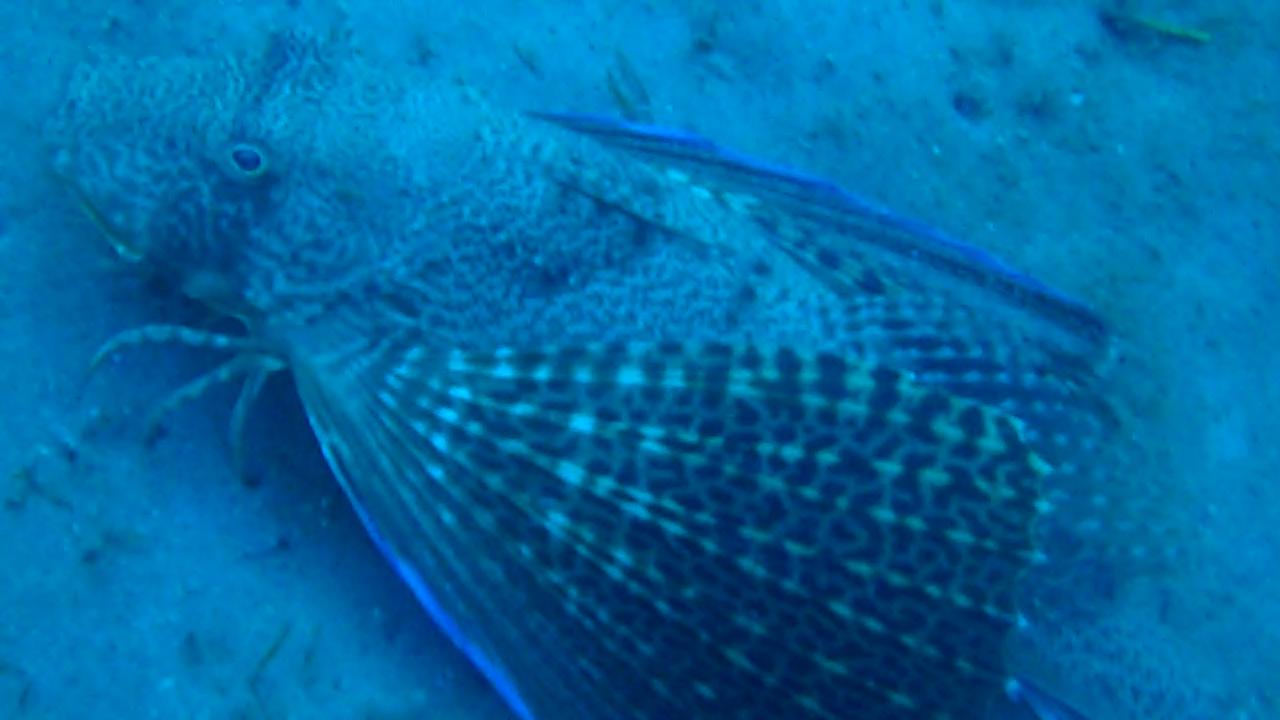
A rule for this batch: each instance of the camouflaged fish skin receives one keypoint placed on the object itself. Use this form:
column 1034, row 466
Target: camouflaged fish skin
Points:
column 394, row 205
column 630, row 453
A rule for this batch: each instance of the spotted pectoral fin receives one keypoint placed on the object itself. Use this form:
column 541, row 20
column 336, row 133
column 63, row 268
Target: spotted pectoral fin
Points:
column 690, row 530
column 846, row 240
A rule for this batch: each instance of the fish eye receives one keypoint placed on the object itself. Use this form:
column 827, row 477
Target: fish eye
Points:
column 247, row 161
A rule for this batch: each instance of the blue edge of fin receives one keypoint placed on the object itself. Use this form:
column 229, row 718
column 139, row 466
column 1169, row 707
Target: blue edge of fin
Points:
column 813, row 192
column 497, row 677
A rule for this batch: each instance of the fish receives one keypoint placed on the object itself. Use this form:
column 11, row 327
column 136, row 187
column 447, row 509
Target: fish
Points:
column 651, row 429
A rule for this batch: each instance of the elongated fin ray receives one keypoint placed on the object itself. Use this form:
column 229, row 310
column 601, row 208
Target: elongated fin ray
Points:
column 844, row 239
column 654, row 531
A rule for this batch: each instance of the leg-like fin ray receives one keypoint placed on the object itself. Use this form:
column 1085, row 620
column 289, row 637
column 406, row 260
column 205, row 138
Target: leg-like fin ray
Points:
column 249, row 393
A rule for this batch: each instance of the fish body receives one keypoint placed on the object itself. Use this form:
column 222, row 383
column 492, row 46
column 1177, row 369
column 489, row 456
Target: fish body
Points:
column 651, row 431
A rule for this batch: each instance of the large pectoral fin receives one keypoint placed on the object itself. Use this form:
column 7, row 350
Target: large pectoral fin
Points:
column 690, row 530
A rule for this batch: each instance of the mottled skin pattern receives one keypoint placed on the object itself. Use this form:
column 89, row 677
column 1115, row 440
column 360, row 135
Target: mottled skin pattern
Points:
column 703, row 484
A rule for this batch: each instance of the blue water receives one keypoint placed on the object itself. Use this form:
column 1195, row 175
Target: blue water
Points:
column 1109, row 154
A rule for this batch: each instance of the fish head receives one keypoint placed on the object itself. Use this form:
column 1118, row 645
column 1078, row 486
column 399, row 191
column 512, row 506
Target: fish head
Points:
column 148, row 150
column 226, row 176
